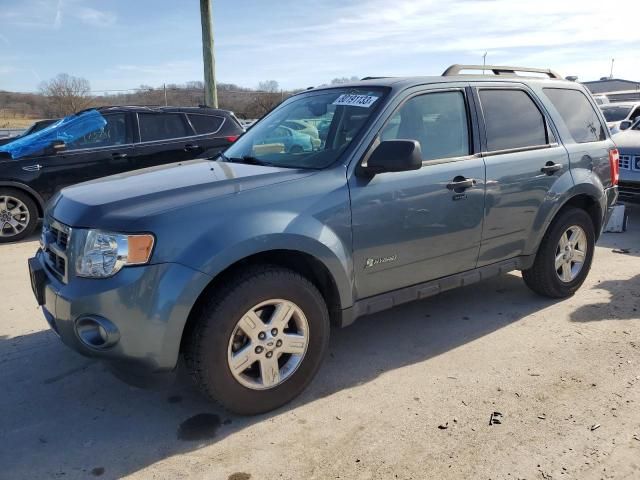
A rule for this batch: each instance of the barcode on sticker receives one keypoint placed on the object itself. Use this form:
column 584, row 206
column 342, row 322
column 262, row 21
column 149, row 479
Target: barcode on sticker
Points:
column 355, row 100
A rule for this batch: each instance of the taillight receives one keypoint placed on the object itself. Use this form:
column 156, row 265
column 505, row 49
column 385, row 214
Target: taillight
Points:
column 232, row 138
column 614, row 164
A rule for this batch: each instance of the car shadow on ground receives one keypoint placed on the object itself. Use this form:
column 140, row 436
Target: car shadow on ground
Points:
column 616, row 307
column 66, row 416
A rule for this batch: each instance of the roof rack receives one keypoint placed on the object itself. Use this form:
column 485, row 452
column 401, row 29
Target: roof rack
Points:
column 499, row 70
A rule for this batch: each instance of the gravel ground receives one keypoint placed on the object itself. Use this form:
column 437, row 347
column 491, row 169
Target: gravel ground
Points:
column 409, row 393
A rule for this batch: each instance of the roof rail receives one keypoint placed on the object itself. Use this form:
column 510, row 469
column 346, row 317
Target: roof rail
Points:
column 499, row 70
column 372, row 78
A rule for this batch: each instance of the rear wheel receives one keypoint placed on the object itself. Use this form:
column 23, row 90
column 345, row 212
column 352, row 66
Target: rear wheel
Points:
column 564, row 256
column 257, row 343
column 18, row 215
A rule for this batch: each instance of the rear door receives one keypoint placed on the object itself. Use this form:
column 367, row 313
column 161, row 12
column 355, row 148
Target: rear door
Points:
column 523, row 161
column 210, row 133
column 96, row 154
column 411, row 227
column 164, row 137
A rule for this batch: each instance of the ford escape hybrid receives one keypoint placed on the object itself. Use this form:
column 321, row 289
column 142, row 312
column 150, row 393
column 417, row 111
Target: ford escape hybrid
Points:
column 244, row 262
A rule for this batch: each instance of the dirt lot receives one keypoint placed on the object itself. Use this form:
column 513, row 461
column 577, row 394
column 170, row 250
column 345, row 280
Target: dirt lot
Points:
column 404, row 394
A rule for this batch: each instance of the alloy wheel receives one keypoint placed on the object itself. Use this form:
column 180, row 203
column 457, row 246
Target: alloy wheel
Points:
column 268, row 344
column 571, row 253
column 14, row 216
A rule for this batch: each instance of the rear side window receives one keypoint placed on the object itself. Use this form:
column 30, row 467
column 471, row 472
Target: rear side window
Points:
column 162, row 126
column 438, row 121
column 205, row 123
column 512, row 120
column 577, row 113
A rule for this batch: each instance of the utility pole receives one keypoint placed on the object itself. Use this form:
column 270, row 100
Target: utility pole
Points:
column 164, row 86
column 484, row 61
column 208, row 57
column 611, row 72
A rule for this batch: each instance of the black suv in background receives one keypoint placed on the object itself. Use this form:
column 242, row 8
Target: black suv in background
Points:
column 99, row 142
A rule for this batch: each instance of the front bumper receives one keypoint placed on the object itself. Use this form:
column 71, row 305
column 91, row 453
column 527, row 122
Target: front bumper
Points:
column 149, row 305
column 629, row 190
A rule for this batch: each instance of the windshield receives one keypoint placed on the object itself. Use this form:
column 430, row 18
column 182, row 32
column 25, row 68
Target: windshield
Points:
column 68, row 130
column 615, row 114
column 309, row 131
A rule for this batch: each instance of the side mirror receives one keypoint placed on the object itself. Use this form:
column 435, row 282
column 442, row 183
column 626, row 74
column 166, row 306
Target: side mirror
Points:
column 55, row 147
column 625, row 124
column 394, row 156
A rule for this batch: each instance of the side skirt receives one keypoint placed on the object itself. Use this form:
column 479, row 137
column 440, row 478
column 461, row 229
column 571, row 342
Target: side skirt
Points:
column 385, row 301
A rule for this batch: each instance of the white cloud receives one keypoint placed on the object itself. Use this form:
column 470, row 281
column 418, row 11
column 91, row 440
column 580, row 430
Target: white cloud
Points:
column 57, row 20
column 96, row 18
column 573, row 36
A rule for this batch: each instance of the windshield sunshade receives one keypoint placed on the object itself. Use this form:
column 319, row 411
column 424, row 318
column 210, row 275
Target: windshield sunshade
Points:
column 66, row 130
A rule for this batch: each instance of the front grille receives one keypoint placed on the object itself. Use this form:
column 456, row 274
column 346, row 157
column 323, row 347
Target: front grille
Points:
column 55, row 242
column 629, row 162
column 625, row 162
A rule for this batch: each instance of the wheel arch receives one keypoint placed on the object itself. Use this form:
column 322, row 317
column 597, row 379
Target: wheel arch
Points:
column 35, row 196
column 586, row 197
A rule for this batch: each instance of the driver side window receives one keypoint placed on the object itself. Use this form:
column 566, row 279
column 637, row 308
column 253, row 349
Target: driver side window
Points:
column 438, row 121
column 111, row 134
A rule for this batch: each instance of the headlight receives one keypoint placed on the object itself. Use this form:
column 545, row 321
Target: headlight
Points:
column 104, row 254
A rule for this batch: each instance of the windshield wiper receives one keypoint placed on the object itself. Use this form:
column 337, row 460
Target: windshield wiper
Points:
column 248, row 159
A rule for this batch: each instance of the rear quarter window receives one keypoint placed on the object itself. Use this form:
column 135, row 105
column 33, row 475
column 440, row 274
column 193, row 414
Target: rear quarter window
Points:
column 578, row 114
column 205, row 123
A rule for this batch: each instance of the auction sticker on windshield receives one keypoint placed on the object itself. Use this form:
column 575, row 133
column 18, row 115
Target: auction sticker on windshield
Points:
column 355, row 100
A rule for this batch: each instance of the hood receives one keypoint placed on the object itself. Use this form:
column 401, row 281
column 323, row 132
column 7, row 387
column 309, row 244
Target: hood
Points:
column 115, row 202
column 627, row 139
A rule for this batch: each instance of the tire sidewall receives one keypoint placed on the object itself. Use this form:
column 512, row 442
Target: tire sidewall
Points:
column 222, row 322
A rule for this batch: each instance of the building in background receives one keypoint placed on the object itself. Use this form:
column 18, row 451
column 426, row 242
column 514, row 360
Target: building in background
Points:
column 616, row 89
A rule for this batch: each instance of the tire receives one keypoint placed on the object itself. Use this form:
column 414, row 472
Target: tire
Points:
column 208, row 351
column 542, row 277
column 18, row 215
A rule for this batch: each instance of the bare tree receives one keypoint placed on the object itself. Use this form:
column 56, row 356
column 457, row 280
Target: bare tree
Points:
column 270, row 86
column 67, row 94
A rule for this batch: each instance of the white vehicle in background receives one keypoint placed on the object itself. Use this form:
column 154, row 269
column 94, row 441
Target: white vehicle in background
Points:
column 620, row 116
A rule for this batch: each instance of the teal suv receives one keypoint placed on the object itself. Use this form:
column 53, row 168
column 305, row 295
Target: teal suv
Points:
column 243, row 263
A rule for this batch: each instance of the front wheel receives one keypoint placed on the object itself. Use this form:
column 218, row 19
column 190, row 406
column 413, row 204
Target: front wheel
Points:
column 259, row 341
column 564, row 256
column 18, row 215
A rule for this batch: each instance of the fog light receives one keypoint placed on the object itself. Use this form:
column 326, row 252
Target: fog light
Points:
column 97, row 332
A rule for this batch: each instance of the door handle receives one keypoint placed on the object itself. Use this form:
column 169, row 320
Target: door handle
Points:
column 460, row 184
column 189, row 147
column 118, row 156
column 550, row 168
column 32, row 168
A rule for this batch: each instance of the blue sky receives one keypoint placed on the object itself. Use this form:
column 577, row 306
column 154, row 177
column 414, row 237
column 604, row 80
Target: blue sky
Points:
column 119, row 44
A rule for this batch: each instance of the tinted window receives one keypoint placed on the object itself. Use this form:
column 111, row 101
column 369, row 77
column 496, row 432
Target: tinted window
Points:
column 512, row 120
column 113, row 133
column 205, row 123
column 578, row 114
column 615, row 113
column 161, row 126
column 438, row 121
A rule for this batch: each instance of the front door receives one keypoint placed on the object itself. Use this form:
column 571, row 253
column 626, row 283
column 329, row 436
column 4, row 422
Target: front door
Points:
column 411, row 227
